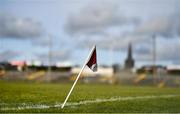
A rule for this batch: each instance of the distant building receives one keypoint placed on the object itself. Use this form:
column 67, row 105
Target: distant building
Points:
column 173, row 69
column 103, row 75
column 129, row 62
column 148, row 69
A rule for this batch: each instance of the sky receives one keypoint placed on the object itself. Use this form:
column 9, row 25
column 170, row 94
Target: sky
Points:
column 74, row 26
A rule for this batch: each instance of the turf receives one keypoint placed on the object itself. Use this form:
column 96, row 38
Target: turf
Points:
column 17, row 94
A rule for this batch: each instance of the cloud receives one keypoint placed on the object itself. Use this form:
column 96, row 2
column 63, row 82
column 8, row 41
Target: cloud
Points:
column 143, row 52
column 63, row 55
column 165, row 50
column 16, row 27
column 143, row 49
column 43, row 42
column 8, row 55
column 95, row 18
column 115, row 42
column 167, row 27
column 60, row 55
column 169, row 51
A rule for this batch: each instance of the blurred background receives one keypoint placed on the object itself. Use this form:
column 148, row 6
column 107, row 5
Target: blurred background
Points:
column 137, row 41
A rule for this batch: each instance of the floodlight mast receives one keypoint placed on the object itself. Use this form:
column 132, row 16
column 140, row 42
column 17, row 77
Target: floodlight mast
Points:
column 49, row 58
column 154, row 58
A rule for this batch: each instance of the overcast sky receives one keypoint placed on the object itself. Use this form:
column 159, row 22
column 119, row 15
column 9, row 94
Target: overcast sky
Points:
column 76, row 25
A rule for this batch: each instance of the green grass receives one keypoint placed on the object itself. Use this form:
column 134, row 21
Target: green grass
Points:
column 13, row 94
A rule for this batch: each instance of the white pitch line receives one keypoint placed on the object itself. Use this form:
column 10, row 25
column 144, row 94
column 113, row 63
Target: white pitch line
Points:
column 58, row 105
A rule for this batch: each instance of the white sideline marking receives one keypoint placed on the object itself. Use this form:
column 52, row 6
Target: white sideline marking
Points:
column 58, row 105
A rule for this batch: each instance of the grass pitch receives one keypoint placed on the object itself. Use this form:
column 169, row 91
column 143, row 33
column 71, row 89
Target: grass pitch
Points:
column 86, row 98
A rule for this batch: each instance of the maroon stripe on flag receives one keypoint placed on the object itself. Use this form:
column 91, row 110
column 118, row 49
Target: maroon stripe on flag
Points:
column 93, row 59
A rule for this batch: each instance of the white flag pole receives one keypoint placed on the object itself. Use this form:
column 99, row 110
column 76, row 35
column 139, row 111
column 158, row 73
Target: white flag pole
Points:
column 77, row 77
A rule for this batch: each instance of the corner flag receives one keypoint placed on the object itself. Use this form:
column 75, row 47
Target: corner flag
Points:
column 92, row 62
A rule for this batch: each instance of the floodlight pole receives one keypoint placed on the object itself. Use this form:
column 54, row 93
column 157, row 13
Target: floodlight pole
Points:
column 112, row 49
column 1, row 46
column 49, row 58
column 154, row 59
column 111, row 54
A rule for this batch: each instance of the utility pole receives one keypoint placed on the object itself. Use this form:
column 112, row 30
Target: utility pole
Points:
column 49, row 58
column 154, row 59
column 111, row 54
column 1, row 47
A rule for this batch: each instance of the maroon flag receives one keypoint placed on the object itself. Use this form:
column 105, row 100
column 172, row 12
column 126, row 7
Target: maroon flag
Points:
column 92, row 62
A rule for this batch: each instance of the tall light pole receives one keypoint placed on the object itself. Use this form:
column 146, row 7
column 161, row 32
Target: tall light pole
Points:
column 111, row 54
column 154, row 58
column 1, row 46
column 49, row 58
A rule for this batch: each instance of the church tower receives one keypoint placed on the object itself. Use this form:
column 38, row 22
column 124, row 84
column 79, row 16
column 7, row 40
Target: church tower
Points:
column 129, row 62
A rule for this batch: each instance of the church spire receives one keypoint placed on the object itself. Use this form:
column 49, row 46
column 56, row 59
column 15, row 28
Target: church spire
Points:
column 130, row 51
column 129, row 62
